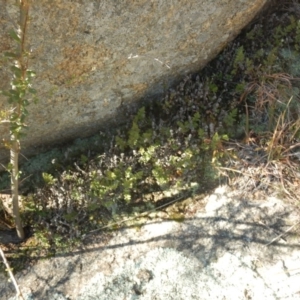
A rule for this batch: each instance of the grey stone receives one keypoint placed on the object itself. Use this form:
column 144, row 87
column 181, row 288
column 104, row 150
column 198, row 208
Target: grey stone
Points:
column 94, row 57
column 230, row 247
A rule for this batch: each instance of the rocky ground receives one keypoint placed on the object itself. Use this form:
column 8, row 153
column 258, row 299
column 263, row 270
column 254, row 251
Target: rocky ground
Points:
column 234, row 243
column 228, row 247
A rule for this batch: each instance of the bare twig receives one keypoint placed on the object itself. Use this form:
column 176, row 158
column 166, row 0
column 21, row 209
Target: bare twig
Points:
column 280, row 235
column 9, row 270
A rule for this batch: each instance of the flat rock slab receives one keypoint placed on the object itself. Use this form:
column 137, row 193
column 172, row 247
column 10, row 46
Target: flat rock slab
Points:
column 233, row 248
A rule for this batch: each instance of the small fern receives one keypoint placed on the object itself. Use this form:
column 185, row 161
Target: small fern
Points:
column 239, row 59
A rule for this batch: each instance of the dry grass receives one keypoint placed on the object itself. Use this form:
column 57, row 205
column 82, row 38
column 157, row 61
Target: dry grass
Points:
column 269, row 161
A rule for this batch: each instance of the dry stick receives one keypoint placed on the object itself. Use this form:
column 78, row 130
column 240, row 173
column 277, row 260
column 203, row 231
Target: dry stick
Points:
column 19, row 294
column 280, row 235
column 291, row 147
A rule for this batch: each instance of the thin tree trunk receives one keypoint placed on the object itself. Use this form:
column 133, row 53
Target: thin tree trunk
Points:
column 14, row 138
column 14, row 160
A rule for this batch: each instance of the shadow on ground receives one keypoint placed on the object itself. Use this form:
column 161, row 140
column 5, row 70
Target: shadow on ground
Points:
column 259, row 235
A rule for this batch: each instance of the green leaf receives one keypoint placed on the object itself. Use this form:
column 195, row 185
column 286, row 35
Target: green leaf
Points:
column 13, row 98
column 17, row 71
column 21, row 95
column 83, row 158
column 134, row 135
column 23, row 117
column 10, row 54
column 48, row 178
column 30, row 74
column 111, row 175
column 32, row 91
column 16, row 128
column 213, row 87
column 127, row 197
column 240, row 87
column 25, row 111
column 139, row 174
column 17, row 83
column 14, row 36
column 5, row 93
column 121, row 143
column 25, row 103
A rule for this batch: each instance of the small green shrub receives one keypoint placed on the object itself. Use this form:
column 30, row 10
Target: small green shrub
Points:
column 174, row 145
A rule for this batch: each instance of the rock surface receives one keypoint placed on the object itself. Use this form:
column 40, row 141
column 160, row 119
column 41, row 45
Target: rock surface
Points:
column 228, row 247
column 94, row 57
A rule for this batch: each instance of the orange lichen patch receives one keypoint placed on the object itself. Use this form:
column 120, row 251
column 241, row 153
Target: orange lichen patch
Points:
column 139, row 87
column 185, row 44
column 121, row 63
column 6, row 45
column 63, row 18
column 238, row 19
column 171, row 12
column 206, row 25
column 6, row 42
column 79, row 60
column 120, row 69
column 85, row 99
